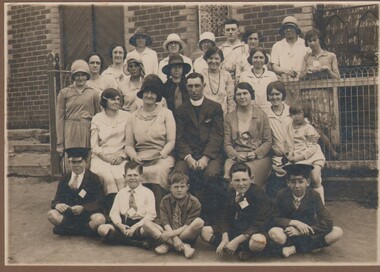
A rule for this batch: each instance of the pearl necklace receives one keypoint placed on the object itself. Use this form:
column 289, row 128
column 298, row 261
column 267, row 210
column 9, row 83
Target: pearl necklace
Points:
column 209, row 81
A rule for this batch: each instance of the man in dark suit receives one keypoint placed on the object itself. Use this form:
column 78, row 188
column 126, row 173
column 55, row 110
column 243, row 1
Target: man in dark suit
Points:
column 77, row 206
column 199, row 147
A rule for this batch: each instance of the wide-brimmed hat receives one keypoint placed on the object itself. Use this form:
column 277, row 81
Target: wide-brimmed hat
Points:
column 140, row 31
column 289, row 21
column 80, row 66
column 173, row 38
column 206, row 36
column 135, row 60
column 151, row 83
column 173, row 60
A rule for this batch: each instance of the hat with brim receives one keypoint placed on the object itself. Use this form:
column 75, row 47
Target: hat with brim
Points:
column 176, row 59
column 206, row 36
column 140, row 31
column 298, row 169
column 289, row 21
column 173, row 38
column 77, row 152
column 80, row 66
column 133, row 60
column 151, row 83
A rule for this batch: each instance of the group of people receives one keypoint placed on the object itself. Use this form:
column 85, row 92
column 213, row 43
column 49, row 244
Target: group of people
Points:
column 168, row 151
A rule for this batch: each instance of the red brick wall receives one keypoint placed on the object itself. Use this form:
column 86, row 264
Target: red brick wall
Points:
column 33, row 32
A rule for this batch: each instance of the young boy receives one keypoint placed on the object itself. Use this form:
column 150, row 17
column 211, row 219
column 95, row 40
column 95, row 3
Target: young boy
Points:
column 244, row 221
column 179, row 218
column 302, row 223
column 133, row 205
column 77, row 206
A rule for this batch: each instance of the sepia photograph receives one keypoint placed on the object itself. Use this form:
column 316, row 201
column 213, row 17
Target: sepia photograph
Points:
column 192, row 134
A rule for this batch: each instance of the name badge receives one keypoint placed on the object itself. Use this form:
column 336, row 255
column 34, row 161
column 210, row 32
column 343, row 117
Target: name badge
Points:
column 244, row 204
column 82, row 193
column 131, row 212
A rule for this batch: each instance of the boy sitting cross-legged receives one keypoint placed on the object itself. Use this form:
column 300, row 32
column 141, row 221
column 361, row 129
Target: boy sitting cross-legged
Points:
column 244, row 222
column 179, row 218
column 133, row 205
column 301, row 222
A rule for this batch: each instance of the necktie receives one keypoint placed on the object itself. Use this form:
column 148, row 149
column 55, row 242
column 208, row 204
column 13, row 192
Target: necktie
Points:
column 177, row 97
column 297, row 202
column 177, row 218
column 132, row 200
column 239, row 198
column 74, row 184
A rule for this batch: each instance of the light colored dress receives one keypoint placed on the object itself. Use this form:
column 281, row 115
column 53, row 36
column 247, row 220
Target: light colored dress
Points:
column 259, row 85
column 279, row 136
column 102, row 83
column 304, row 141
column 149, row 134
column 115, row 73
column 74, row 113
column 220, row 90
column 129, row 91
column 149, row 59
column 200, row 64
column 108, row 136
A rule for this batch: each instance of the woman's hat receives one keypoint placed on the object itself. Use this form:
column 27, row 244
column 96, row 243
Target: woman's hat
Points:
column 173, row 38
column 173, row 60
column 151, row 83
column 133, row 60
column 206, row 36
column 80, row 66
column 289, row 21
column 140, row 31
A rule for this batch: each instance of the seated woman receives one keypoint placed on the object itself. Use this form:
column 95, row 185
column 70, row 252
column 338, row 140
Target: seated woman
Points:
column 247, row 135
column 151, row 136
column 108, row 136
column 131, row 84
column 318, row 63
column 219, row 84
column 99, row 82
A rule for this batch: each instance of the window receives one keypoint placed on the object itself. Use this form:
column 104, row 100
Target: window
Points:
column 212, row 17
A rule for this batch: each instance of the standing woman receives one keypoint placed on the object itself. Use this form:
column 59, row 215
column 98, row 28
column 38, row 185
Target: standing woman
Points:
column 108, row 131
column 219, row 84
column 131, row 84
column 259, row 77
column 247, row 136
column 99, row 82
column 118, row 53
column 151, row 136
column 76, row 105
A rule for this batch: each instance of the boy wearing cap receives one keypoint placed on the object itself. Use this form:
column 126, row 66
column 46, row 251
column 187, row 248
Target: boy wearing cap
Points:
column 77, row 205
column 180, row 220
column 243, row 223
column 175, row 89
column 233, row 48
column 288, row 54
column 302, row 223
column 133, row 205
column 141, row 40
column 174, row 45
column 206, row 41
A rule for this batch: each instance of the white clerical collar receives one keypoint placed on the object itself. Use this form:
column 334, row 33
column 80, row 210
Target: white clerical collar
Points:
column 198, row 102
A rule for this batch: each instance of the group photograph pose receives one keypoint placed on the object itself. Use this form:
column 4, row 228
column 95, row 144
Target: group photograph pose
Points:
column 197, row 134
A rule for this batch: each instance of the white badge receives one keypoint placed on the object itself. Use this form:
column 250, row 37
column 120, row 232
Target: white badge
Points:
column 82, row 193
column 131, row 212
column 243, row 204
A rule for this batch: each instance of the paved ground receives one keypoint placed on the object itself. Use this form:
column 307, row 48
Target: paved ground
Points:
column 31, row 241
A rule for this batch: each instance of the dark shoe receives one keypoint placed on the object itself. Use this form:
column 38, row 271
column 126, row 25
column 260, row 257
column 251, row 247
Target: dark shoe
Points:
column 58, row 230
column 139, row 243
column 245, row 255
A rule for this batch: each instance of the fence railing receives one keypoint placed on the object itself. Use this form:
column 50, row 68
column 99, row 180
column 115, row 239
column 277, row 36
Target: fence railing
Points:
column 345, row 109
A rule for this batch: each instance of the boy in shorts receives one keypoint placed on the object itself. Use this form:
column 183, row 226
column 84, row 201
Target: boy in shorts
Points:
column 133, row 205
column 244, row 222
column 302, row 223
column 180, row 221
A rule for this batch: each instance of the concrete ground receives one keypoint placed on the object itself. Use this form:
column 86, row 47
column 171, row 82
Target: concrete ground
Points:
column 29, row 237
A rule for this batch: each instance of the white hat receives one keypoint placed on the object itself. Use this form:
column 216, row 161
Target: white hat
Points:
column 206, row 36
column 289, row 21
column 173, row 38
column 80, row 66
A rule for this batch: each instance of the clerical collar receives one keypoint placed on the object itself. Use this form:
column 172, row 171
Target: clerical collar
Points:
column 198, row 102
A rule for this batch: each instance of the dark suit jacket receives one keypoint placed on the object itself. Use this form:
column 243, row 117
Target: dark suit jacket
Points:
column 252, row 219
column 199, row 137
column 93, row 199
column 169, row 90
column 311, row 211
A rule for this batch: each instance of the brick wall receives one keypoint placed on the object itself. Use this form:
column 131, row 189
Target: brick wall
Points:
column 33, row 31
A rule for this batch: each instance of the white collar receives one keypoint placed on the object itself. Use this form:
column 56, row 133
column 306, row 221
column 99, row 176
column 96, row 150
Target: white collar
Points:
column 198, row 102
